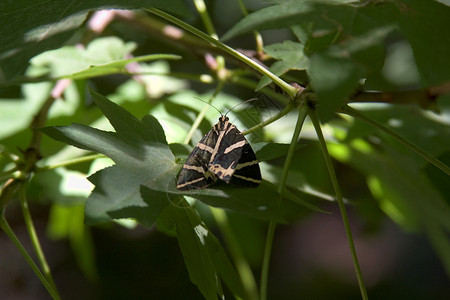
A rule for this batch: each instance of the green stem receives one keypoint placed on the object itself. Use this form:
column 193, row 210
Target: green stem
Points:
column 8, row 156
column 7, row 174
column 203, row 12
column 303, row 111
column 430, row 158
column 251, row 84
column 70, row 162
column 272, row 119
column 257, row 35
column 266, row 259
column 243, row 8
column 203, row 78
column 9, row 232
column 290, row 90
column 337, row 190
column 34, row 238
column 242, row 266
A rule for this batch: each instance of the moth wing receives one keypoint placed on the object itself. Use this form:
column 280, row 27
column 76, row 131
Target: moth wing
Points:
column 224, row 161
column 195, row 173
column 247, row 172
column 235, row 160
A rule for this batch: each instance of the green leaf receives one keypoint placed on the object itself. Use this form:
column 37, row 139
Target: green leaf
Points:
column 269, row 151
column 399, row 72
column 333, row 71
column 261, row 202
column 156, row 202
column 48, row 25
column 17, row 114
column 397, row 182
column 118, row 194
column 116, row 66
column 423, row 129
column 205, row 258
column 342, row 56
column 276, row 16
column 358, row 28
column 345, row 41
column 426, row 25
column 333, row 78
column 290, row 57
column 191, row 235
column 180, row 151
column 143, row 158
column 281, row 15
column 156, row 80
column 70, row 59
column 77, row 63
column 402, row 190
column 67, row 222
column 308, row 180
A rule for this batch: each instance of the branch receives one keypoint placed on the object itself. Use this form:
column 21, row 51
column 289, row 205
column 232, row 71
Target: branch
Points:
column 33, row 153
column 425, row 98
column 190, row 43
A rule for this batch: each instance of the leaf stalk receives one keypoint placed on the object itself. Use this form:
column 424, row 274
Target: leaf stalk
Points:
column 315, row 120
column 303, row 111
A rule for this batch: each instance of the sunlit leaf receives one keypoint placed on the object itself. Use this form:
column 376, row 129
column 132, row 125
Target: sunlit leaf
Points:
column 290, row 56
column 143, row 158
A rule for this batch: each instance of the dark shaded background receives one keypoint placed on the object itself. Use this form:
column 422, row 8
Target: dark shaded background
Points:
column 310, row 260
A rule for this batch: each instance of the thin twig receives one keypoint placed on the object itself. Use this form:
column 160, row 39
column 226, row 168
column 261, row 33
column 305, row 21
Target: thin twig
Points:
column 10, row 233
column 34, row 239
column 315, row 120
column 303, row 110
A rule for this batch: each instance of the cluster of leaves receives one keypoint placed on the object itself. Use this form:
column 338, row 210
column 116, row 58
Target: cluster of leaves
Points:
column 341, row 49
column 141, row 185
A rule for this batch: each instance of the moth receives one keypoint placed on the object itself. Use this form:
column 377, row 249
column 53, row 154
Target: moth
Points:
column 222, row 154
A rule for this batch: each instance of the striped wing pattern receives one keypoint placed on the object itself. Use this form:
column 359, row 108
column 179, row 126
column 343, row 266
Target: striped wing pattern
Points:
column 223, row 153
column 195, row 173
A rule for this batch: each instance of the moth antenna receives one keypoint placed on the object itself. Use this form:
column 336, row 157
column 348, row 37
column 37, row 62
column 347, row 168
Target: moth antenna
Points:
column 210, row 105
column 249, row 100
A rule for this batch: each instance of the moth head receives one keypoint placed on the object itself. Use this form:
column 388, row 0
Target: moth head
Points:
column 222, row 120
